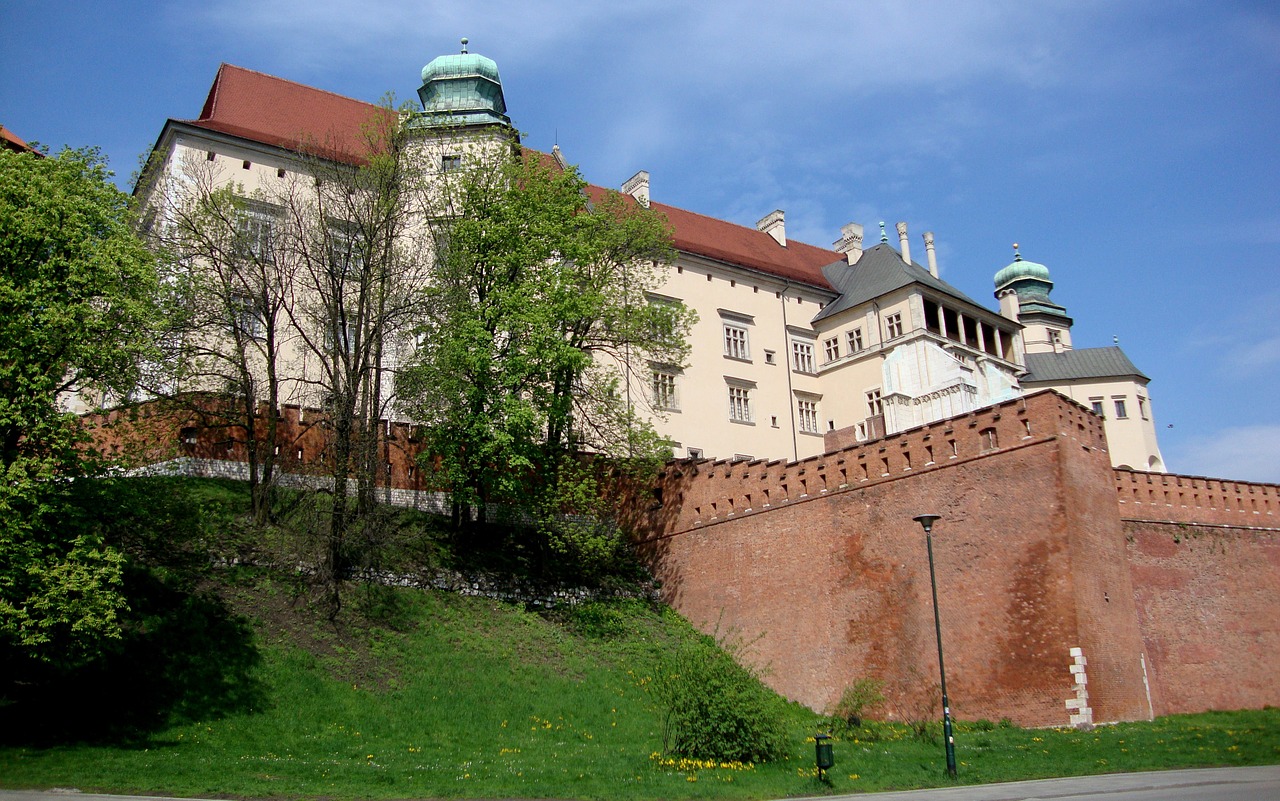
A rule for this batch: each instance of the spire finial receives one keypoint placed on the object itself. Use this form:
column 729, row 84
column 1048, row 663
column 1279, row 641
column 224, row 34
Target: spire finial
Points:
column 464, row 44
column 884, row 238
column 1016, row 255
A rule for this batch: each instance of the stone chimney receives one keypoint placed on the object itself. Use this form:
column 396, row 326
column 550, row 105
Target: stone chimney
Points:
column 850, row 242
column 904, row 242
column 774, row 225
column 638, row 187
column 929, row 251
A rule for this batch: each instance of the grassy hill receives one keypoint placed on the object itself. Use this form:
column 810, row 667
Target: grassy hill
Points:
column 231, row 684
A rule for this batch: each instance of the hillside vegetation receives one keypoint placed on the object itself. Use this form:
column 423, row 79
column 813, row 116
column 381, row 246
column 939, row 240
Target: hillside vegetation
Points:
column 228, row 681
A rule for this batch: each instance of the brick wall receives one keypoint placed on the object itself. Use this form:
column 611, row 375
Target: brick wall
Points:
column 820, row 565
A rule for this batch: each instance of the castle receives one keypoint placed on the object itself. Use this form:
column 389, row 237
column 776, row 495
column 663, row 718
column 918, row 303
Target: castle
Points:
column 831, row 395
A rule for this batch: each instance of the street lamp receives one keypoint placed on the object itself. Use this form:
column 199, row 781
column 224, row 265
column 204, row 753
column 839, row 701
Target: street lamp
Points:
column 926, row 522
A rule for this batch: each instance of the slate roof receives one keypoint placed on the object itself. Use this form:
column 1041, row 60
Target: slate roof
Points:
column 878, row 271
column 1109, row 362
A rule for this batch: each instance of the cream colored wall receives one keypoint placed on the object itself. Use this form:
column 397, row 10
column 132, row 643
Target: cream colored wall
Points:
column 1132, row 441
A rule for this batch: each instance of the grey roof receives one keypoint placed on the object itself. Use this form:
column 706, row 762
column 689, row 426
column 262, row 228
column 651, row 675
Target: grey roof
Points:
column 1107, row 362
column 878, row 272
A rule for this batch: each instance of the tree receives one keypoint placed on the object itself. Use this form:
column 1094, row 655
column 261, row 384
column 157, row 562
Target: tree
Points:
column 76, row 310
column 224, row 294
column 541, row 324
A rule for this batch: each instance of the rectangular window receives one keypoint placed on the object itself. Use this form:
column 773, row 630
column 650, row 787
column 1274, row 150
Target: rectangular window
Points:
column 346, row 254
column 807, row 414
column 1096, row 405
column 664, row 390
column 450, row 163
column 893, row 325
column 855, row 340
column 736, row 345
column 1142, row 408
column 255, row 232
column 802, row 356
column 244, row 315
column 831, row 348
column 1121, row 412
column 875, row 405
column 740, row 404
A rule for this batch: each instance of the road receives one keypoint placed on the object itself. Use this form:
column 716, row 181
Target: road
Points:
column 1213, row 784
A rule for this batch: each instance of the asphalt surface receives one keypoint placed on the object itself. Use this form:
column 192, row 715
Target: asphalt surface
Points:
column 1212, row 784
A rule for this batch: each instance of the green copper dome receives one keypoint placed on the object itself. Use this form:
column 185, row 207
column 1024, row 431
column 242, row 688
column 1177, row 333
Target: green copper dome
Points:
column 1021, row 269
column 462, row 89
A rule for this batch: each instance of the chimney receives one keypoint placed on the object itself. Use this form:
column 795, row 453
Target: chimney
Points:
column 850, row 242
column 638, row 187
column 933, row 256
column 773, row 225
column 906, row 243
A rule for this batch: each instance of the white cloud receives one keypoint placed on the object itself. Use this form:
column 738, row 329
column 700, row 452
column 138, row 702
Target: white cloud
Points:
column 1246, row 453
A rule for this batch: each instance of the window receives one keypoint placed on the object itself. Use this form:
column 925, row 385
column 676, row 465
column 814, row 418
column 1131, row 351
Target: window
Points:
column 807, row 413
column 1142, row 408
column 664, row 390
column 893, row 325
column 875, row 405
column 1096, row 405
column 450, row 163
column 255, row 232
column 831, row 348
column 735, row 343
column 346, row 254
column 770, row 357
column 1121, row 413
column 802, row 356
column 740, row 404
column 694, row 453
column 245, row 316
column 855, row 340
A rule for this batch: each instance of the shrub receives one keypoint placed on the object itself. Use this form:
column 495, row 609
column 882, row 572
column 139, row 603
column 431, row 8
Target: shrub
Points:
column 714, row 708
column 858, row 698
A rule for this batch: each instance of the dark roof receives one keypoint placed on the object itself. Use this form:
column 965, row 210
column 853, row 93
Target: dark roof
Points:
column 1069, row 365
column 263, row 108
column 879, row 271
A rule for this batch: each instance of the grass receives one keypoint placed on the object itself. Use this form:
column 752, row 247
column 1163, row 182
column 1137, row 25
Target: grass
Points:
column 471, row 698
column 228, row 684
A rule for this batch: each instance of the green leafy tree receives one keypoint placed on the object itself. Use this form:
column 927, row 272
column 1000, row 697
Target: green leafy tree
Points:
column 540, row 337
column 76, row 291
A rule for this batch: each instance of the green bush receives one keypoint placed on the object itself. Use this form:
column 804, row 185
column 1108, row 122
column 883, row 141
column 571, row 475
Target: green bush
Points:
column 716, row 709
column 859, row 698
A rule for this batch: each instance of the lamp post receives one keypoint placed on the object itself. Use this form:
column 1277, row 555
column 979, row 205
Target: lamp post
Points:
column 926, row 522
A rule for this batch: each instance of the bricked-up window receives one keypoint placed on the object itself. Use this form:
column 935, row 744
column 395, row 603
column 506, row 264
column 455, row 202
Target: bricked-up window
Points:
column 1121, row 412
column 740, row 404
column 831, row 349
column 807, row 414
column 875, row 405
column 802, row 356
column 855, row 340
column 736, row 345
column 664, row 390
column 893, row 326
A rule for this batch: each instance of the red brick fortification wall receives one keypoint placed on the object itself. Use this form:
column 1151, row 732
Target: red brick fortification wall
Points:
column 830, row 580
column 1205, row 559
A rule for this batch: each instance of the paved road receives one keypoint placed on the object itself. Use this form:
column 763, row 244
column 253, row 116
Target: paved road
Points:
column 1214, row 784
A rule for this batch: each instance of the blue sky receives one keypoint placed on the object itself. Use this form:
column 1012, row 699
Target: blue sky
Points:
column 1132, row 147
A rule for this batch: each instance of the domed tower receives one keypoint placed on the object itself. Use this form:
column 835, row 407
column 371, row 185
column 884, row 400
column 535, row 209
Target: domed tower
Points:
column 462, row 89
column 1023, row 289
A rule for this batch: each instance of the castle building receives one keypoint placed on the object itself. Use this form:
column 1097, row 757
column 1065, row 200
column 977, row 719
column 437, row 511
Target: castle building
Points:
column 797, row 348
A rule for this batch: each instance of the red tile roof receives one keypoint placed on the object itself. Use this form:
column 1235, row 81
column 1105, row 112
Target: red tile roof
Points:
column 260, row 107
column 12, row 141
column 274, row 111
